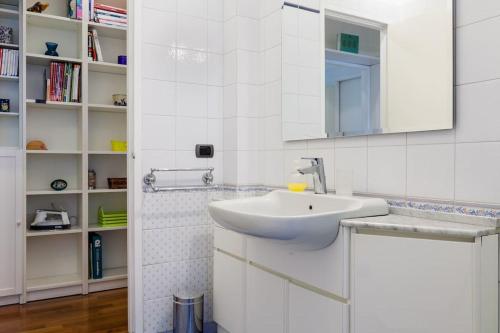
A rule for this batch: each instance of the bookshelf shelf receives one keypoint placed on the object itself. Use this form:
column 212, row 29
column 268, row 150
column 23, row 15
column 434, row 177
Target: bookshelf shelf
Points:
column 106, row 190
column 107, row 108
column 106, row 67
column 8, row 13
column 54, row 105
column 9, row 46
column 97, row 228
column 39, row 233
column 52, row 282
column 106, row 152
column 53, row 21
column 51, row 192
column 9, row 114
column 49, row 152
column 9, row 78
column 105, row 30
column 78, row 136
column 45, row 60
column 110, row 274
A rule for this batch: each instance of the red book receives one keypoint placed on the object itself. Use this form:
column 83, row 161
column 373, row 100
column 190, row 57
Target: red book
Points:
column 110, row 8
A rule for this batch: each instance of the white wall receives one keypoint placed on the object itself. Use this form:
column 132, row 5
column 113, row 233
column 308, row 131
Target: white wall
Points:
column 182, row 82
column 460, row 165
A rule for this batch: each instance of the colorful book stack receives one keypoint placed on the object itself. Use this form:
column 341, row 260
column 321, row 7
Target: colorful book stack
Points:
column 95, row 256
column 75, row 9
column 94, row 48
column 108, row 15
column 112, row 219
column 9, row 62
column 63, row 84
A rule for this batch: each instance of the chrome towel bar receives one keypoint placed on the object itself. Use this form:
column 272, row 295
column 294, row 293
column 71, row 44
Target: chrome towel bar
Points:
column 207, row 178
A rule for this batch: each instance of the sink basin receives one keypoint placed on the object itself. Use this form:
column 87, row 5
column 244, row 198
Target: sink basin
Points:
column 303, row 220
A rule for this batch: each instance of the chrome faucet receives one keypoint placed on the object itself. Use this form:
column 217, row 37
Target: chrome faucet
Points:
column 317, row 170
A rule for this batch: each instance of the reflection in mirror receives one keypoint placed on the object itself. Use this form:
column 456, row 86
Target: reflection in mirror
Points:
column 352, row 78
column 384, row 67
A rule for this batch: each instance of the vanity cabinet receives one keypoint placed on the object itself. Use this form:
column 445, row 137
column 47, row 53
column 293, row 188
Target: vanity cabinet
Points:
column 10, row 224
column 414, row 285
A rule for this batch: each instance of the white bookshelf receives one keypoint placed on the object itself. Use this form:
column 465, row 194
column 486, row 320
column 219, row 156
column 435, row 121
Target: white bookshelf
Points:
column 78, row 137
column 10, row 86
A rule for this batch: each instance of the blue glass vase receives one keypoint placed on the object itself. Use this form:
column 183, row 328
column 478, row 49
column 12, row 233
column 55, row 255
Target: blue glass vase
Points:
column 51, row 49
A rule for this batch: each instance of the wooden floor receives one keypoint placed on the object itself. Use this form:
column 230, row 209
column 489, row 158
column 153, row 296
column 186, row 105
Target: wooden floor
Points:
column 97, row 313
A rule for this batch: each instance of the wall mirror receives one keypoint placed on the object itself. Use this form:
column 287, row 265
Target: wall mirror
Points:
column 360, row 67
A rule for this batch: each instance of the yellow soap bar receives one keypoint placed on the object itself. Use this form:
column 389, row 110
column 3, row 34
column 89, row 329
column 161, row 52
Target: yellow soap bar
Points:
column 297, row 187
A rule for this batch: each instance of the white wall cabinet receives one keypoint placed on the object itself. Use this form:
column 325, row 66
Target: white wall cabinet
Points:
column 229, row 292
column 410, row 285
column 265, row 303
column 10, row 223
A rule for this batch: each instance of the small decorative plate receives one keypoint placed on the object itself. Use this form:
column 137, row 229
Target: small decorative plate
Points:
column 59, row 185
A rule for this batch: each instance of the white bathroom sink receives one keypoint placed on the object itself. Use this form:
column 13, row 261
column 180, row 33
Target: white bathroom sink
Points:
column 304, row 220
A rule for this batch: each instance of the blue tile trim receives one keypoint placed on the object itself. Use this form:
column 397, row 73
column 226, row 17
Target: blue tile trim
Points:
column 309, row 9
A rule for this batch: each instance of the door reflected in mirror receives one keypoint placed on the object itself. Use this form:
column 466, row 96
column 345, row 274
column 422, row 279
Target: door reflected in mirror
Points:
column 384, row 67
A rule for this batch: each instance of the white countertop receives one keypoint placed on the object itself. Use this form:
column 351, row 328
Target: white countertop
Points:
column 404, row 223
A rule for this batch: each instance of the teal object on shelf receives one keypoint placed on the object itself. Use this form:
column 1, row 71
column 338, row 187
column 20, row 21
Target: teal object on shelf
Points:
column 348, row 43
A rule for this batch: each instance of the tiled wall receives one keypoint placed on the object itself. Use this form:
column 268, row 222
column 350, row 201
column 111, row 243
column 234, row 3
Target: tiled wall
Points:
column 182, row 77
column 460, row 165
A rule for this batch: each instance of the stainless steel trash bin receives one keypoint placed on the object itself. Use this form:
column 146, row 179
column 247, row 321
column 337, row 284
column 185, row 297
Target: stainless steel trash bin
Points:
column 188, row 313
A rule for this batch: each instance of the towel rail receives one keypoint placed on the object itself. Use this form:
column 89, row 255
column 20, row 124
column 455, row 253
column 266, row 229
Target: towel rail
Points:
column 207, row 178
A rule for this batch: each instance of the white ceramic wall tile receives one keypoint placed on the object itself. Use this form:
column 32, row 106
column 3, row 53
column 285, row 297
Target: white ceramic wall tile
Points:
column 158, row 315
column 314, row 4
column 249, row 8
column 187, row 159
column 473, row 66
column 248, row 33
column 272, row 99
column 387, row 170
column 230, row 9
column 477, row 178
column 309, row 25
column 158, row 132
column 193, row 7
column 387, row 140
column 159, row 159
column 230, row 134
column 159, row 27
column 230, row 35
column 270, row 6
column 477, row 108
column 431, row 172
column 272, row 64
column 215, row 42
column 215, row 69
column 470, row 11
column 189, row 132
column 230, row 68
column 165, row 5
column 215, row 10
column 215, row 103
column 249, row 100
column 272, row 133
column 248, row 167
column 191, row 100
column 352, row 160
column 273, row 174
column 432, row 137
column 230, row 166
column 158, row 97
column 214, row 130
column 349, row 142
column 246, row 129
column 191, row 66
column 248, row 67
column 230, row 101
column 192, row 32
column 158, row 62
column 271, row 30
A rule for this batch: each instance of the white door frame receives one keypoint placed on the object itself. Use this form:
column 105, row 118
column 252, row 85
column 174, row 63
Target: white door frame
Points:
column 134, row 204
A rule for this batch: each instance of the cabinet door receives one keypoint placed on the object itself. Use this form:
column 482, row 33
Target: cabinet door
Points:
column 408, row 285
column 311, row 312
column 229, row 292
column 10, row 224
column 265, row 302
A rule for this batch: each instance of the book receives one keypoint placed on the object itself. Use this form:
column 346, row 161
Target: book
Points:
column 97, row 46
column 95, row 255
column 110, row 8
column 79, row 9
column 9, row 62
column 63, row 84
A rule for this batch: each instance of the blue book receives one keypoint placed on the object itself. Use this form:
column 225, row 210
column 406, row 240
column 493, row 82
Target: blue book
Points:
column 95, row 255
